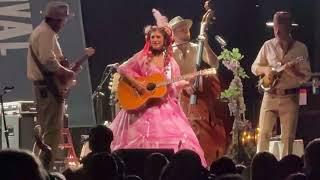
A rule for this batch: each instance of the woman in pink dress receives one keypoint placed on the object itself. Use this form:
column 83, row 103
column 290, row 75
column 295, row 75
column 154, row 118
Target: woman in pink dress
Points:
column 160, row 124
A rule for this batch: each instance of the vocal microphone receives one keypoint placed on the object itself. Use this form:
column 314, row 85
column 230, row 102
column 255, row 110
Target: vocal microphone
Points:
column 220, row 40
column 114, row 65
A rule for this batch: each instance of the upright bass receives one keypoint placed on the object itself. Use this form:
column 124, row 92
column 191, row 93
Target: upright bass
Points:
column 205, row 112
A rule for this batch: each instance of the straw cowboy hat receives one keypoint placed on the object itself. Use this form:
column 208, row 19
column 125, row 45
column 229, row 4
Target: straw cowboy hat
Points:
column 57, row 10
column 178, row 21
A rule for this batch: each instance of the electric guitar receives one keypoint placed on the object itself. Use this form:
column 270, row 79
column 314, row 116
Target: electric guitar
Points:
column 155, row 88
column 65, row 83
column 265, row 83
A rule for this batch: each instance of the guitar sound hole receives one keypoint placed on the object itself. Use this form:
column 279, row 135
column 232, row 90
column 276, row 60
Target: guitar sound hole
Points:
column 151, row 86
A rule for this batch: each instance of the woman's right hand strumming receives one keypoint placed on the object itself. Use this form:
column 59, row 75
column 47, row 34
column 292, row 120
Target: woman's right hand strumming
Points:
column 141, row 89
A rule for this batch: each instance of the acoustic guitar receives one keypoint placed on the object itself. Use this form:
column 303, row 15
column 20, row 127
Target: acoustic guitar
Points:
column 156, row 87
column 265, row 83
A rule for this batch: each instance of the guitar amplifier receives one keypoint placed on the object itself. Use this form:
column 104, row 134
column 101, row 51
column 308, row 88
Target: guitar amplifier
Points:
column 20, row 119
column 19, row 107
column 20, row 128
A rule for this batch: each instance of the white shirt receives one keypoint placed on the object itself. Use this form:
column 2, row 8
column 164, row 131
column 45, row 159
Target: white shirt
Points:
column 271, row 53
column 46, row 47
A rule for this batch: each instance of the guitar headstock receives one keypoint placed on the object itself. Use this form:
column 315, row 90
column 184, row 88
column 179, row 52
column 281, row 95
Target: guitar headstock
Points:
column 209, row 15
column 210, row 71
column 89, row 51
column 114, row 81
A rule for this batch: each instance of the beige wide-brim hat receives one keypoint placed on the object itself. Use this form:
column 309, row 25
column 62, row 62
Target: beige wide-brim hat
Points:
column 178, row 21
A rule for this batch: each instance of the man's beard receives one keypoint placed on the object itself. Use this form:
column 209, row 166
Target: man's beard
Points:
column 157, row 51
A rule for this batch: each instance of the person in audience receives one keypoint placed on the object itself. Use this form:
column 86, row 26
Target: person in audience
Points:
column 264, row 166
column 153, row 166
column 133, row 177
column 290, row 164
column 122, row 168
column 230, row 177
column 21, row 165
column 102, row 166
column 297, row 176
column 312, row 160
column 57, row 176
column 246, row 174
column 223, row 165
column 100, row 138
column 186, row 165
column 240, row 168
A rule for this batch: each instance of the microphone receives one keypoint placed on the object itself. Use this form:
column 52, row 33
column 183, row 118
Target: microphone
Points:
column 114, row 65
column 8, row 88
column 220, row 40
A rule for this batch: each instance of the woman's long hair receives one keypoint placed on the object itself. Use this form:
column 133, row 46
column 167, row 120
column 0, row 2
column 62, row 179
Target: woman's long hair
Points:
column 168, row 41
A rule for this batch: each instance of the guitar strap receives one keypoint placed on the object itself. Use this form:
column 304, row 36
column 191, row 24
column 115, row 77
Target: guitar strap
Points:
column 290, row 45
column 48, row 77
column 168, row 71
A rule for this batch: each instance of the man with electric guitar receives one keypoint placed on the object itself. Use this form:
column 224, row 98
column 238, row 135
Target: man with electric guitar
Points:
column 51, row 75
column 283, row 64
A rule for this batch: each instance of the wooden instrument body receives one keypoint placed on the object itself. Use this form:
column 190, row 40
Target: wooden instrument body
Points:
column 130, row 99
column 265, row 83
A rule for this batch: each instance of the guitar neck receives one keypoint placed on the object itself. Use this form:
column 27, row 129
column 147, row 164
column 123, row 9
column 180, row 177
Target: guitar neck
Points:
column 80, row 61
column 183, row 77
column 281, row 68
column 297, row 60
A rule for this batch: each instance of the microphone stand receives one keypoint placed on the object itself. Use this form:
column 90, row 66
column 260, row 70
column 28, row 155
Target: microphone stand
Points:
column 6, row 133
column 98, row 94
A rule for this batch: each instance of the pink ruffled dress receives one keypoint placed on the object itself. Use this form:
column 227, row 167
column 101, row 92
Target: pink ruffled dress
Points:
column 160, row 125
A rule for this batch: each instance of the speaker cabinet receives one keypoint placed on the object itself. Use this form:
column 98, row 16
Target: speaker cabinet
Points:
column 309, row 119
column 20, row 128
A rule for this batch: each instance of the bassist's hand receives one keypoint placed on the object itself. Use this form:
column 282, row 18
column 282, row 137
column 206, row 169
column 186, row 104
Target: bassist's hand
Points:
column 190, row 90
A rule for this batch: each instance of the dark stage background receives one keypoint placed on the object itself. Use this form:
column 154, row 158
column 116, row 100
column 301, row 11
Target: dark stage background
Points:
column 115, row 28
